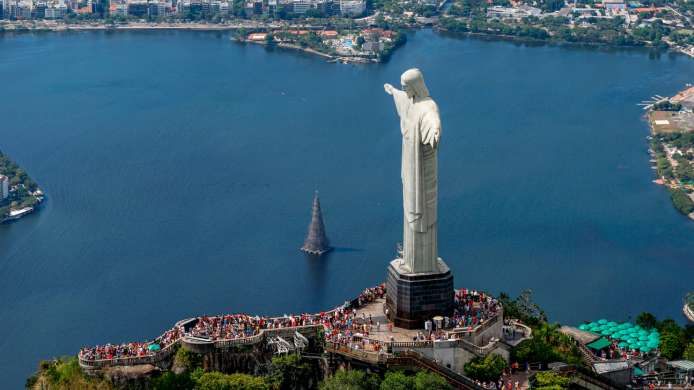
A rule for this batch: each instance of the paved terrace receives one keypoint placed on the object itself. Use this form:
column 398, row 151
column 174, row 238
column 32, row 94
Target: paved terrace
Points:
column 361, row 327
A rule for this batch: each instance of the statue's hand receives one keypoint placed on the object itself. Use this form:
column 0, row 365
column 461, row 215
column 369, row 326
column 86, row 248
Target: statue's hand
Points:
column 431, row 137
column 389, row 88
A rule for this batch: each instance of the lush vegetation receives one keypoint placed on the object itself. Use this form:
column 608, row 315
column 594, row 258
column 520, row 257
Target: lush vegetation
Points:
column 551, row 28
column 681, row 201
column 548, row 380
column 486, row 369
column 289, row 372
column 547, row 344
column 683, row 171
column 23, row 186
column 393, row 380
column 523, row 308
column 676, row 341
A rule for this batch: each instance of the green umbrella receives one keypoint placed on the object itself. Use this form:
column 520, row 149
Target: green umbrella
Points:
column 645, row 349
column 623, row 336
column 622, row 344
column 606, row 332
column 583, row 327
column 643, row 338
column 643, row 333
column 634, row 335
column 602, row 321
column 631, row 340
column 627, row 325
column 154, row 347
column 592, row 324
column 654, row 335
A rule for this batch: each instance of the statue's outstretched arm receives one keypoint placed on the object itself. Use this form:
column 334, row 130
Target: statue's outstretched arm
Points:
column 399, row 97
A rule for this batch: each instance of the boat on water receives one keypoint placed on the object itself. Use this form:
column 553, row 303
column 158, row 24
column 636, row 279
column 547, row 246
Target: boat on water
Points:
column 16, row 214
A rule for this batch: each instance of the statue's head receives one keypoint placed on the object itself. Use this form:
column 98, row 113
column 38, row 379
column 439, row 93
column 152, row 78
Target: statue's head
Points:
column 413, row 83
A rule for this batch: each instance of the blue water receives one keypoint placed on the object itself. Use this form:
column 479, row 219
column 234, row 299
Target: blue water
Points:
column 180, row 168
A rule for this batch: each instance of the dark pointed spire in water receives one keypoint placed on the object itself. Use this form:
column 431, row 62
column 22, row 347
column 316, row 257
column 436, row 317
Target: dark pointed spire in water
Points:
column 316, row 242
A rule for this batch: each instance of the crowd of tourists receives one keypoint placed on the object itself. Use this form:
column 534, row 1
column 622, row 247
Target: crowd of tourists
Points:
column 473, row 308
column 342, row 325
column 338, row 323
column 130, row 350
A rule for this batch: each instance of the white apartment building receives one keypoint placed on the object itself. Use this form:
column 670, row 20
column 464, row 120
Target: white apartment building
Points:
column 352, row 7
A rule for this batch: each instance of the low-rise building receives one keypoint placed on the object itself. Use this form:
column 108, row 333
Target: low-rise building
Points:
column 301, row 6
column 613, row 4
column 138, row 8
column 352, row 7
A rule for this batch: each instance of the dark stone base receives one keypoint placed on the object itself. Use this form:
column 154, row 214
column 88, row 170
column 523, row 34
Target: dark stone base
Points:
column 414, row 298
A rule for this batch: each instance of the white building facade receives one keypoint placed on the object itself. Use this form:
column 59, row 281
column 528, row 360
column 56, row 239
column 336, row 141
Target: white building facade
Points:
column 4, row 187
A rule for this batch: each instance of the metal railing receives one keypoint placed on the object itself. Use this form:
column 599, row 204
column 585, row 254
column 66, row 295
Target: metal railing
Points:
column 425, row 362
column 152, row 358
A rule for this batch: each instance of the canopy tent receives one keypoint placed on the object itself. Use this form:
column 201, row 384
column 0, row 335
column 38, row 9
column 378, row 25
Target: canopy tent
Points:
column 629, row 335
column 599, row 344
column 153, row 347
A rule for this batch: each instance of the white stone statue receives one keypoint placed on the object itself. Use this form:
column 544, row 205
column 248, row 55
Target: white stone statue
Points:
column 420, row 125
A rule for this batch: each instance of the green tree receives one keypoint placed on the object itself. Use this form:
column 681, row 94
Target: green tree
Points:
column 485, row 369
column 689, row 351
column 350, row 380
column 547, row 345
column 425, row 380
column 646, row 320
column 673, row 339
column 219, row 381
column 290, row 372
column 547, row 380
column 523, row 308
column 187, row 359
column 172, row 381
column 397, row 380
column 681, row 201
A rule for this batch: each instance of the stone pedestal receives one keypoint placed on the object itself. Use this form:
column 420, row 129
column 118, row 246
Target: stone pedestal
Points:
column 414, row 298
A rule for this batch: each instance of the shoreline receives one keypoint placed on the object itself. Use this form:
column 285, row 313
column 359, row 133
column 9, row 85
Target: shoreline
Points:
column 137, row 26
column 549, row 42
column 311, row 51
column 665, row 125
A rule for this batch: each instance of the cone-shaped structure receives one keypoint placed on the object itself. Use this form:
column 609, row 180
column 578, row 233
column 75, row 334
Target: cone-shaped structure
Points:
column 316, row 242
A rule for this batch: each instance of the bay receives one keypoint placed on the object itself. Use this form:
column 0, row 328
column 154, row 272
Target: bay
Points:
column 180, row 166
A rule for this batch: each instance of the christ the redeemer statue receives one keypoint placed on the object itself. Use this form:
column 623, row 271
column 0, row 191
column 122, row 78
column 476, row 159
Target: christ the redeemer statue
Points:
column 420, row 125
column 419, row 285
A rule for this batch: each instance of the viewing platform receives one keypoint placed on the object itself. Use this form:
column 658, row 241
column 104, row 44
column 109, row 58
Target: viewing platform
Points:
column 357, row 331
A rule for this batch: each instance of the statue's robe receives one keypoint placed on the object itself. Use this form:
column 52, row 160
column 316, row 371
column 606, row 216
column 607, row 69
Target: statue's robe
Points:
column 419, row 181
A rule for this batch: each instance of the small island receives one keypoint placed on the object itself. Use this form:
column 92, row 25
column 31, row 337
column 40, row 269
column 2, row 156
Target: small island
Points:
column 19, row 194
column 346, row 45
